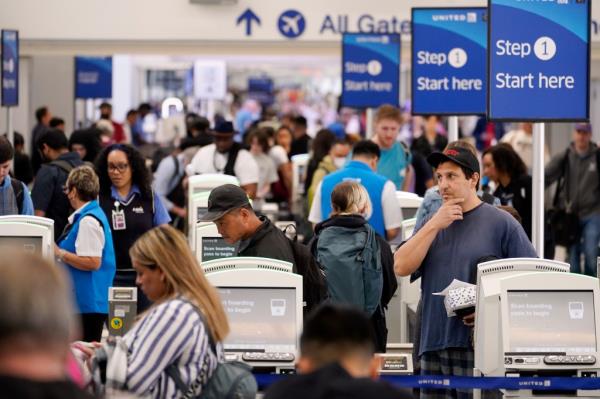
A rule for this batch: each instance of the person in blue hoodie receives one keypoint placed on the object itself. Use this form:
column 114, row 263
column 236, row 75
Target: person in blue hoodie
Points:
column 86, row 249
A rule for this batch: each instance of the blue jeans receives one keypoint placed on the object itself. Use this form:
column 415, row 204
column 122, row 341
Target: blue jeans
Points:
column 588, row 244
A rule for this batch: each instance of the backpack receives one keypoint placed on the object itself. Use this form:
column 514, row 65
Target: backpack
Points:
column 352, row 264
column 314, row 283
column 17, row 187
column 230, row 380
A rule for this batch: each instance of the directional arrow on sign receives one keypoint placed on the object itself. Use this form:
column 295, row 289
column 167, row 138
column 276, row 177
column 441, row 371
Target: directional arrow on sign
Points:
column 248, row 16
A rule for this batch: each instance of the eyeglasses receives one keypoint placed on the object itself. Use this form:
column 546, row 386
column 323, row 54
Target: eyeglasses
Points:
column 66, row 189
column 121, row 167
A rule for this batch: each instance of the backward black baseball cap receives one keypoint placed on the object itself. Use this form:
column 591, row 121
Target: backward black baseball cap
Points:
column 457, row 155
column 224, row 199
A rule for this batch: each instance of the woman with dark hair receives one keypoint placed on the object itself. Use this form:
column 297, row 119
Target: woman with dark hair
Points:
column 506, row 168
column 130, row 205
column 320, row 147
column 86, row 143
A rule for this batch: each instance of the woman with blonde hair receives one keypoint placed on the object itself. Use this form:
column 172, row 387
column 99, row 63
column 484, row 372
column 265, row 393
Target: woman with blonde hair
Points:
column 357, row 261
column 182, row 330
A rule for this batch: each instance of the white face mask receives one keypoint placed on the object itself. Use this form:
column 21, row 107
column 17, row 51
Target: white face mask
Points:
column 339, row 162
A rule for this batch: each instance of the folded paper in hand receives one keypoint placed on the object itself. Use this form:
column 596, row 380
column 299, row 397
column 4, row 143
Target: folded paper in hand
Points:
column 458, row 295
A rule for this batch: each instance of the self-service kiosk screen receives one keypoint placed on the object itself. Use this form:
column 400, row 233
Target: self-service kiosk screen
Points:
column 261, row 319
column 551, row 321
column 201, row 210
column 31, row 245
column 216, row 248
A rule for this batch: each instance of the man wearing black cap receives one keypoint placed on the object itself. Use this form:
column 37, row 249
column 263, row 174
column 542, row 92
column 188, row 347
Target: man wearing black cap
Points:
column 448, row 247
column 226, row 156
column 577, row 170
column 230, row 210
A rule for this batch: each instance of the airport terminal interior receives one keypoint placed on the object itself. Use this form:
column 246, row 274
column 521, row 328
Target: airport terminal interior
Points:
column 256, row 199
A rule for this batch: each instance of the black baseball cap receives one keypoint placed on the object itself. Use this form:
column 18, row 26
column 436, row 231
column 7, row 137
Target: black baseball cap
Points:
column 458, row 155
column 224, row 199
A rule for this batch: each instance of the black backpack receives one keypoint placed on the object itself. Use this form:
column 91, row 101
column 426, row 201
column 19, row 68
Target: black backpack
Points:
column 314, row 283
column 17, row 187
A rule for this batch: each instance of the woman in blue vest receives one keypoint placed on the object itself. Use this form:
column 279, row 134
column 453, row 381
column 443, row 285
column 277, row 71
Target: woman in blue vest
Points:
column 357, row 261
column 86, row 248
column 130, row 205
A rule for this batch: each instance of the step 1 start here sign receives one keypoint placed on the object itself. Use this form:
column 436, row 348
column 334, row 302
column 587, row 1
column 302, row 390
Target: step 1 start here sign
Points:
column 449, row 61
column 539, row 55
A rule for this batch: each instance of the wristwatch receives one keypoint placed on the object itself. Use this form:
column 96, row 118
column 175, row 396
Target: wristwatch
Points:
column 61, row 255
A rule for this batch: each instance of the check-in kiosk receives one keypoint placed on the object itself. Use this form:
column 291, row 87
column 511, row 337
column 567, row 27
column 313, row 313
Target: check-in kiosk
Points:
column 199, row 188
column 534, row 318
column 210, row 245
column 299, row 165
column 397, row 360
column 31, row 234
column 403, row 305
column 409, row 203
column 263, row 301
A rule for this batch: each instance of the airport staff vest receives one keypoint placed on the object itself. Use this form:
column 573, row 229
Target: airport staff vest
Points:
column 374, row 183
column 91, row 287
column 139, row 218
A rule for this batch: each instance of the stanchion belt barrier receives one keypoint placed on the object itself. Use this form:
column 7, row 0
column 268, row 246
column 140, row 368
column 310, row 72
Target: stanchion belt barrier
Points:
column 485, row 383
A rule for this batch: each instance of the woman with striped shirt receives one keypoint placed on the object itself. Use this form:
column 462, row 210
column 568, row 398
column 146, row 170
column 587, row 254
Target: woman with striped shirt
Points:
column 172, row 330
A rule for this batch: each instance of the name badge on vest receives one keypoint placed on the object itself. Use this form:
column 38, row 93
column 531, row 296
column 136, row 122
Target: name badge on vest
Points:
column 118, row 218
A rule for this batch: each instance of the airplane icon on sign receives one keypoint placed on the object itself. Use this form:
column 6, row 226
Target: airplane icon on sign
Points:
column 291, row 24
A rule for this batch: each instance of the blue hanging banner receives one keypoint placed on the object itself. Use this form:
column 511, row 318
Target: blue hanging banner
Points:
column 449, row 61
column 370, row 70
column 539, row 60
column 93, row 77
column 10, row 68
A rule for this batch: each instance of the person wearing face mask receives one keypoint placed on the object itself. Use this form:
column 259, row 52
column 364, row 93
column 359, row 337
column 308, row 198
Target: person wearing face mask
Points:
column 347, row 235
column 385, row 217
column 227, row 157
column 334, row 160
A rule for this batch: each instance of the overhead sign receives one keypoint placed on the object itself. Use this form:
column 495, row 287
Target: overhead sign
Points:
column 370, row 70
column 93, row 77
column 10, row 68
column 539, row 60
column 449, row 61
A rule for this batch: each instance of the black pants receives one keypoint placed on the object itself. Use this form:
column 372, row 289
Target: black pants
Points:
column 91, row 324
column 126, row 278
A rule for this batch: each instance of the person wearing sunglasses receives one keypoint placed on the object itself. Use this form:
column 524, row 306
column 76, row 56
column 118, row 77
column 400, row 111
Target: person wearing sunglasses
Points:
column 130, row 205
column 86, row 249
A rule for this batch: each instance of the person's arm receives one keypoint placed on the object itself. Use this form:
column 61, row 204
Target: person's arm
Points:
column 286, row 174
column 163, row 178
column 42, row 191
column 409, row 256
column 89, row 244
column 246, row 170
column 407, row 178
column 315, row 215
column 161, row 216
column 85, row 263
column 27, row 203
column 160, row 341
column 554, row 169
column 392, row 214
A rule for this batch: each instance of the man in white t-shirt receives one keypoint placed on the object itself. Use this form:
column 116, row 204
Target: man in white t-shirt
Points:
column 226, row 157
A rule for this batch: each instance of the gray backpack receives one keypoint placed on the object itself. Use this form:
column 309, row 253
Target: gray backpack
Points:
column 230, row 380
column 351, row 261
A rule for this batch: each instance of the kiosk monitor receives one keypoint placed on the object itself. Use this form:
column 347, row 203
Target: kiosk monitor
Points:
column 201, row 186
column 263, row 301
column 27, row 237
column 210, row 245
column 37, row 220
column 487, row 341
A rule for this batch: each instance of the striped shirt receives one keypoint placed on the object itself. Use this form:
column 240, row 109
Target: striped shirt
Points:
column 171, row 332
